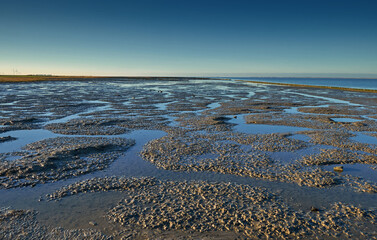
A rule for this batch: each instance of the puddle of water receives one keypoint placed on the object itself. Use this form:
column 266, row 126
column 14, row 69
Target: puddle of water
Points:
column 250, row 94
column 358, row 170
column 242, row 126
column 145, row 84
column 162, row 106
column 9, row 104
column 12, row 158
column 301, row 137
column 333, row 100
column 95, row 101
column 24, row 137
column 294, row 110
column 78, row 115
column 209, row 107
column 345, row 120
column 285, row 158
column 48, row 114
column 213, row 105
column 131, row 164
column 362, row 138
column 265, row 129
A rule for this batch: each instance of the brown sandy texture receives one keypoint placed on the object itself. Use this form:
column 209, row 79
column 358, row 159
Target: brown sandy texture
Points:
column 373, row 134
column 202, row 207
column 342, row 156
column 22, row 225
column 11, row 124
column 83, row 126
column 205, row 122
column 233, row 153
column 340, row 139
column 341, row 110
column 59, row 158
column 338, row 156
column 310, row 121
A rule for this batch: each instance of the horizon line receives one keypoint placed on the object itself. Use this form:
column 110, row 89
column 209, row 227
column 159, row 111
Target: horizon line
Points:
column 180, row 76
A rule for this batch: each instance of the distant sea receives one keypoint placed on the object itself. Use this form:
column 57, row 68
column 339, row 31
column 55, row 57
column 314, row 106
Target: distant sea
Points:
column 360, row 83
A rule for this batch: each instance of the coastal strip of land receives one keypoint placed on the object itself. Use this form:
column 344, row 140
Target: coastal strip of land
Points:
column 311, row 86
column 39, row 78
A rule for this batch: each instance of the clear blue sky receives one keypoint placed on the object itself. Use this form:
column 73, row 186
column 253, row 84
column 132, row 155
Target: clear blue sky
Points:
column 195, row 38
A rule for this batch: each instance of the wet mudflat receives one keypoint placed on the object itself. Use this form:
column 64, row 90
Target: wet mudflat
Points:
column 180, row 158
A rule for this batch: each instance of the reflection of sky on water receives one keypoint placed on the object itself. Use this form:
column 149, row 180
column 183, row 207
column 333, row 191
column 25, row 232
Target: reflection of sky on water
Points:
column 80, row 96
column 345, row 120
column 363, row 138
column 294, row 110
column 332, row 100
column 24, row 137
column 357, row 170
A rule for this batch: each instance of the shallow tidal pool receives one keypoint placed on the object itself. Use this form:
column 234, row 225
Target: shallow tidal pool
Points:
column 125, row 158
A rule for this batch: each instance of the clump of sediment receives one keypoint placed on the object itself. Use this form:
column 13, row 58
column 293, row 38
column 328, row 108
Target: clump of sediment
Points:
column 18, row 123
column 88, row 126
column 341, row 110
column 342, row 156
column 7, row 138
column 205, row 122
column 338, row 156
column 199, row 206
column 63, row 157
column 22, row 224
column 232, row 153
column 373, row 134
column 310, row 121
column 339, row 139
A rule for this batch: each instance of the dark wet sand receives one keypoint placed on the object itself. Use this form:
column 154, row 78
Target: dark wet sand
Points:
column 284, row 140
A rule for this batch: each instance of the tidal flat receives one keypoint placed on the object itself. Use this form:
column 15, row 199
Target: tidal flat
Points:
column 181, row 158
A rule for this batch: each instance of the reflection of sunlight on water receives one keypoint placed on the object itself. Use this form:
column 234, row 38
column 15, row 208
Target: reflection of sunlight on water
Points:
column 9, row 104
column 358, row 170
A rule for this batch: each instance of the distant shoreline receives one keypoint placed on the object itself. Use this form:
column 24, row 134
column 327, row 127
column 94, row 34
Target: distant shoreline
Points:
column 40, row 78
column 310, row 86
column 37, row 78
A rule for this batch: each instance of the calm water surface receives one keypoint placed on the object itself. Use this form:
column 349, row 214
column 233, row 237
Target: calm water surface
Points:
column 330, row 82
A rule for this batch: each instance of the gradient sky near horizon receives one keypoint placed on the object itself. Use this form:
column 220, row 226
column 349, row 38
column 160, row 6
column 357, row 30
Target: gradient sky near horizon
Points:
column 335, row 38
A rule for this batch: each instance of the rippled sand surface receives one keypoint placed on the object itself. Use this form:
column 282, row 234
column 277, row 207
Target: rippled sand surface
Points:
column 186, row 158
